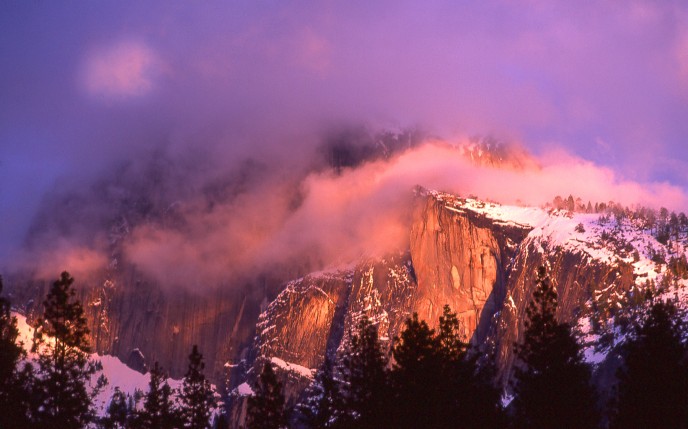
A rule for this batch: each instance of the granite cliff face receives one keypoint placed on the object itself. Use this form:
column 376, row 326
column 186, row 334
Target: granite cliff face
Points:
column 456, row 258
column 578, row 278
column 130, row 319
column 477, row 257
column 462, row 259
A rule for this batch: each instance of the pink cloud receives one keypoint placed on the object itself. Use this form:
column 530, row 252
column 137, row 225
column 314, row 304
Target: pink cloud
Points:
column 364, row 211
column 122, row 70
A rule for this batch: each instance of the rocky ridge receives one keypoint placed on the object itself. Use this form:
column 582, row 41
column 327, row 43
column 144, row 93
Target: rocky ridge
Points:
column 478, row 257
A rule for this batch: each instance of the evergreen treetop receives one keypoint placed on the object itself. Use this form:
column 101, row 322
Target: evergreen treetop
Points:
column 266, row 407
column 196, row 395
column 61, row 341
column 158, row 408
column 324, row 405
column 366, row 384
column 552, row 382
column 653, row 379
column 14, row 382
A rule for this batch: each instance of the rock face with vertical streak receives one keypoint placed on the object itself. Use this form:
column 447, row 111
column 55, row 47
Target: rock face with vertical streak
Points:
column 133, row 318
column 578, row 279
column 460, row 253
column 298, row 325
column 478, row 258
column 460, row 259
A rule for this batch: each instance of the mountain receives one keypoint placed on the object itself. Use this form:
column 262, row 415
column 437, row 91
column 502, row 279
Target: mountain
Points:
column 479, row 257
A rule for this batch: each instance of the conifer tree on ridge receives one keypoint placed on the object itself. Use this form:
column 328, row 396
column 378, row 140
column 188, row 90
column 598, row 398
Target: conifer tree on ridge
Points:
column 653, row 379
column 552, row 382
column 158, row 408
column 14, row 382
column 61, row 341
column 266, row 406
column 196, row 394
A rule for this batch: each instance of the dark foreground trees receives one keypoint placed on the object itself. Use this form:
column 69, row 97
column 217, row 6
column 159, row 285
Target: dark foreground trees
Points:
column 196, row 395
column 158, row 409
column 324, row 403
column 61, row 394
column 433, row 382
column 14, row 377
column 365, row 381
column 190, row 406
column 552, row 382
column 433, row 376
column 653, row 379
column 266, row 408
column 118, row 412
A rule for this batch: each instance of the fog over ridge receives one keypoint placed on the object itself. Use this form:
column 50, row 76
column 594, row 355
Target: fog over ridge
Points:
column 192, row 135
column 187, row 226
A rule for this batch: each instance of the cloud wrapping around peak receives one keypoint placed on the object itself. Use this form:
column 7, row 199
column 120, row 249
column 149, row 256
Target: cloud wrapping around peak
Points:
column 359, row 212
column 89, row 87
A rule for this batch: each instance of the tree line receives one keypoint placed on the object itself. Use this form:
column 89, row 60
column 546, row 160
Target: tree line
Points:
column 433, row 379
column 56, row 389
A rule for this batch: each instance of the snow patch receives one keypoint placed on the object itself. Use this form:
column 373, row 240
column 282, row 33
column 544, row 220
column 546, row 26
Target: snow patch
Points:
column 292, row 367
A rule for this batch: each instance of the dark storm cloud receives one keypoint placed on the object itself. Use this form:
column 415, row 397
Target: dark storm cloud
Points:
column 88, row 86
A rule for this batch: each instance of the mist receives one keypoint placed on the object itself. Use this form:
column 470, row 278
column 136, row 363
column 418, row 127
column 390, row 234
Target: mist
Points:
column 199, row 227
column 187, row 138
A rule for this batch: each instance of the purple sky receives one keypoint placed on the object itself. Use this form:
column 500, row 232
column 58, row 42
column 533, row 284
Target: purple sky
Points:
column 85, row 84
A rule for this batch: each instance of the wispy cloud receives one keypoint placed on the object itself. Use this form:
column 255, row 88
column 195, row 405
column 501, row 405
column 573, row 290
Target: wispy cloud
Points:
column 123, row 70
column 364, row 211
column 90, row 88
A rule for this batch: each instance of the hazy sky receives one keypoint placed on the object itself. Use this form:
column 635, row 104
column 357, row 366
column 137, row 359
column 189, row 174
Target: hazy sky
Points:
column 86, row 84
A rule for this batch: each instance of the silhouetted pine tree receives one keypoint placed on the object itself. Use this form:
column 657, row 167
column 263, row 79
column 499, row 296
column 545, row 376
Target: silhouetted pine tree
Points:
column 117, row 415
column 365, row 385
column 468, row 392
column 417, row 378
column 479, row 401
column 158, row 409
column 434, row 377
column 552, row 382
column 64, row 367
column 196, row 395
column 653, row 380
column 324, row 405
column 14, row 382
column 266, row 407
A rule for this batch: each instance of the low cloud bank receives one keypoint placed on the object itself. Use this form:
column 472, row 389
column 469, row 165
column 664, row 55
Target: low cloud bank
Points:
column 319, row 219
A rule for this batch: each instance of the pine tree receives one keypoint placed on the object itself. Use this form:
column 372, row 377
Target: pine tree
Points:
column 366, row 386
column 117, row 412
column 158, row 409
column 552, row 382
column 266, row 407
column 417, row 377
column 451, row 344
column 324, row 405
column 64, row 367
column 14, row 382
column 434, row 377
column 197, row 396
column 466, row 388
column 653, row 379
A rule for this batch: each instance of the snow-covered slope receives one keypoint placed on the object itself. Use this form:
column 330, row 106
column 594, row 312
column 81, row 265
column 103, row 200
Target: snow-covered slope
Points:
column 622, row 241
column 117, row 373
column 481, row 258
